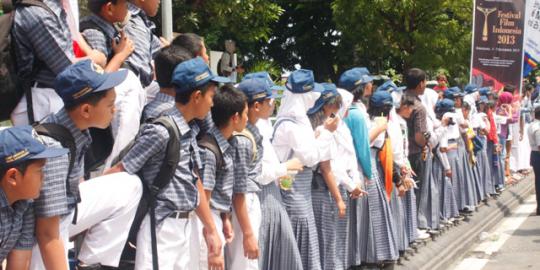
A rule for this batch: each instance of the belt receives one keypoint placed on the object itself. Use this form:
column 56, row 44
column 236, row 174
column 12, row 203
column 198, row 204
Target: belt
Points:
column 178, row 215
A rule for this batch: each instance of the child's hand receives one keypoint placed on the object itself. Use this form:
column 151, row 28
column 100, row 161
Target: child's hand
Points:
column 342, row 208
column 124, row 46
column 251, row 247
column 228, row 231
column 216, row 262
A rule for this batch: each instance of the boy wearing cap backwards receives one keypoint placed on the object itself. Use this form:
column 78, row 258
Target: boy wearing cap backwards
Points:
column 195, row 86
column 221, row 180
column 103, row 207
column 22, row 158
column 248, row 164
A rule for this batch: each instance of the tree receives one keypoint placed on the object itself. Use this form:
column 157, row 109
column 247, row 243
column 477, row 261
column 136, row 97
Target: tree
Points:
column 400, row 34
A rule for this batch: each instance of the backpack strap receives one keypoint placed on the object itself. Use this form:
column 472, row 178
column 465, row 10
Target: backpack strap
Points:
column 90, row 24
column 247, row 134
column 210, row 143
column 279, row 122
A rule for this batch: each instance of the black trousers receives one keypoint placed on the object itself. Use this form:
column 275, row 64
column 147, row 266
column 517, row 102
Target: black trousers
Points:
column 535, row 163
column 418, row 165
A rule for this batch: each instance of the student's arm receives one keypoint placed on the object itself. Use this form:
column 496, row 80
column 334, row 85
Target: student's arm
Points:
column 213, row 242
column 50, row 243
column 122, row 50
column 251, row 247
column 208, row 172
column 326, row 171
column 18, row 259
column 420, row 127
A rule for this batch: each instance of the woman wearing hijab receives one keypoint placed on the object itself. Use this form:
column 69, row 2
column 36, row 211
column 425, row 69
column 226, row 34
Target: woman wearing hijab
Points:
column 372, row 237
column 294, row 138
column 277, row 245
column 482, row 127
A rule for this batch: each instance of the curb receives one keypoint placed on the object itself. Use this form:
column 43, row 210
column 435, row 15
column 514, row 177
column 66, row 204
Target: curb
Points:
column 444, row 251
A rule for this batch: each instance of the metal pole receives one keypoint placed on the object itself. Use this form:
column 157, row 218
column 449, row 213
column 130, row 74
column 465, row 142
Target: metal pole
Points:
column 166, row 19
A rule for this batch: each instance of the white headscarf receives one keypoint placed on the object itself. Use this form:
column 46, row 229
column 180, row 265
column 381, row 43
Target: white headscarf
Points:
column 296, row 105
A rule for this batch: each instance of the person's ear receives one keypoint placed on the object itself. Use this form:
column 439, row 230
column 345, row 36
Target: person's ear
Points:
column 12, row 176
column 197, row 96
column 85, row 110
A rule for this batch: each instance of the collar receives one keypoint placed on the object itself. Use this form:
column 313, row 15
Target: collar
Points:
column 3, row 200
column 110, row 31
column 133, row 9
column 223, row 144
column 178, row 118
column 163, row 97
column 254, row 131
column 137, row 12
column 409, row 93
column 82, row 138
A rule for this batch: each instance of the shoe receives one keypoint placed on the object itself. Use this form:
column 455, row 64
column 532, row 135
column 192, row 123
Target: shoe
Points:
column 422, row 235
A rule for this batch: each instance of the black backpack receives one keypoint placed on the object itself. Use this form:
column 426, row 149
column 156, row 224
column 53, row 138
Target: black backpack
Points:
column 207, row 141
column 13, row 87
column 148, row 200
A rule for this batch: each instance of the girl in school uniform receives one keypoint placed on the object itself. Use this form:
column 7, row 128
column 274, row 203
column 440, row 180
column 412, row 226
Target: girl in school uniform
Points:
column 482, row 129
column 469, row 136
column 294, row 138
column 370, row 243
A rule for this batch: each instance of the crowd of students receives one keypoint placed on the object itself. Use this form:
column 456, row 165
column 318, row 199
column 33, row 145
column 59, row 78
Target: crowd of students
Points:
column 348, row 174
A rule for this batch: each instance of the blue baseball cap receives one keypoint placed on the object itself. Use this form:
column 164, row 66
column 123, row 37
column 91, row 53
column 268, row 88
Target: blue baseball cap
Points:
column 445, row 105
column 84, row 78
column 380, row 99
column 471, row 88
column 20, row 143
column 265, row 76
column 483, row 100
column 255, row 89
column 330, row 91
column 485, row 91
column 388, row 86
column 189, row 75
column 354, row 77
column 302, row 81
column 452, row 92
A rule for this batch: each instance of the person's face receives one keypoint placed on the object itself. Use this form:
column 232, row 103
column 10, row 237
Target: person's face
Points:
column 204, row 102
column 458, row 102
column 465, row 112
column 118, row 11
column 150, row 7
column 441, row 82
column 422, row 87
column 203, row 53
column 331, row 109
column 368, row 89
column 405, row 111
column 26, row 185
column 101, row 115
column 240, row 120
column 482, row 107
column 265, row 108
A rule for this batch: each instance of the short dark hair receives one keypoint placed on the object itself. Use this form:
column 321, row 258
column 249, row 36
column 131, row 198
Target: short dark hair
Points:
column 183, row 98
column 21, row 167
column 228, row 101
column 358, row 92
column 379, row 111
column 414, row 77
column 509, row 88
column 189, row 41
column 95, row 5
column 166, row 60
column 406, row 100
column 92, row 99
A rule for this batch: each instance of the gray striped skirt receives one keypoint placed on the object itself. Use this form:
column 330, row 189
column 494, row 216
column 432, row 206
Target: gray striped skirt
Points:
column 411, row 216
column 466, row 190
column 277, row 245
column 497, row 174
column 428, row 201
column 342, row 235
column 297, row 202
column 326, row 213
column 447, row 200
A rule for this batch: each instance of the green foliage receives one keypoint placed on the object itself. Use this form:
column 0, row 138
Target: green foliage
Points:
column 401, row 34
column 265, row 65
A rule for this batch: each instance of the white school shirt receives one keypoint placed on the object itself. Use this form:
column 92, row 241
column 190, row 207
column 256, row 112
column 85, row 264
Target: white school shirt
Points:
column 396, row 137
column 272, row 169
column 533, row 133
column 299, row 139
column 344, row 164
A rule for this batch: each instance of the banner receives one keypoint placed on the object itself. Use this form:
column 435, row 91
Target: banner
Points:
column 497, row 47
column 532, row 37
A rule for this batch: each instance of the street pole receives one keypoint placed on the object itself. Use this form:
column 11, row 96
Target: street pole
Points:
column 166, row 19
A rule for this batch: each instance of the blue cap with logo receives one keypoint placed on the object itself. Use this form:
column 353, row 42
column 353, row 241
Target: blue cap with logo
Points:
column 445, row 105
column 302, row 81
column 354, row 77
column 84, row 78
column 255, row 89
column 453, row 92
column 265, row 76
column 20, row 143
column 485, row 91
column 388, row 86
column 194, row 73
column 380, row 99
column 330, row 91
column 471, row 88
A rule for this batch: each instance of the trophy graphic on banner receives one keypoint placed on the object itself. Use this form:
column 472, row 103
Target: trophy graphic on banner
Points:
column 486, row 12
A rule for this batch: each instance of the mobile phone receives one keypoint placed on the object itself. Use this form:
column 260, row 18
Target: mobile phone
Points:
column 333, row 115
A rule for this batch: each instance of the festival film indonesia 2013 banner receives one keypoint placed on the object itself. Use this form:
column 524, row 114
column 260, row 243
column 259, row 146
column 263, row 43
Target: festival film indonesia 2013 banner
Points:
column 532, row 36
column 497, row 48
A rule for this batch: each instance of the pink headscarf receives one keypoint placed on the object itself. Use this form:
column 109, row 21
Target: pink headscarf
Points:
column 505, row 98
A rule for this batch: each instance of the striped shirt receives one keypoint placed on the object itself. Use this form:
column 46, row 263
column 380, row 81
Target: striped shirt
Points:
column 42, row 38
column 99, row 39
column 59, row 197
column 221, row 181
column 16, row 226
column 247, row 166
column 161, row 103
column 147, row 155
column 140, row 31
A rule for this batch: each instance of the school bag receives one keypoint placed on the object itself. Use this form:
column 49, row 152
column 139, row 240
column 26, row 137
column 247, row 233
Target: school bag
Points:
column 13, row 87
column 207, row 141
column 148, row 200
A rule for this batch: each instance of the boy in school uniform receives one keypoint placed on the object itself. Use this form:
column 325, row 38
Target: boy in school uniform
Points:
column 166, row 60
column 243, row 251
column 103, row 207
column 140, row 29
column 22, row 158
column 220, row 181
column 195, row 86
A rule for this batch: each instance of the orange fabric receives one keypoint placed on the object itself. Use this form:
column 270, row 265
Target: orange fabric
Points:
column 387, row 161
